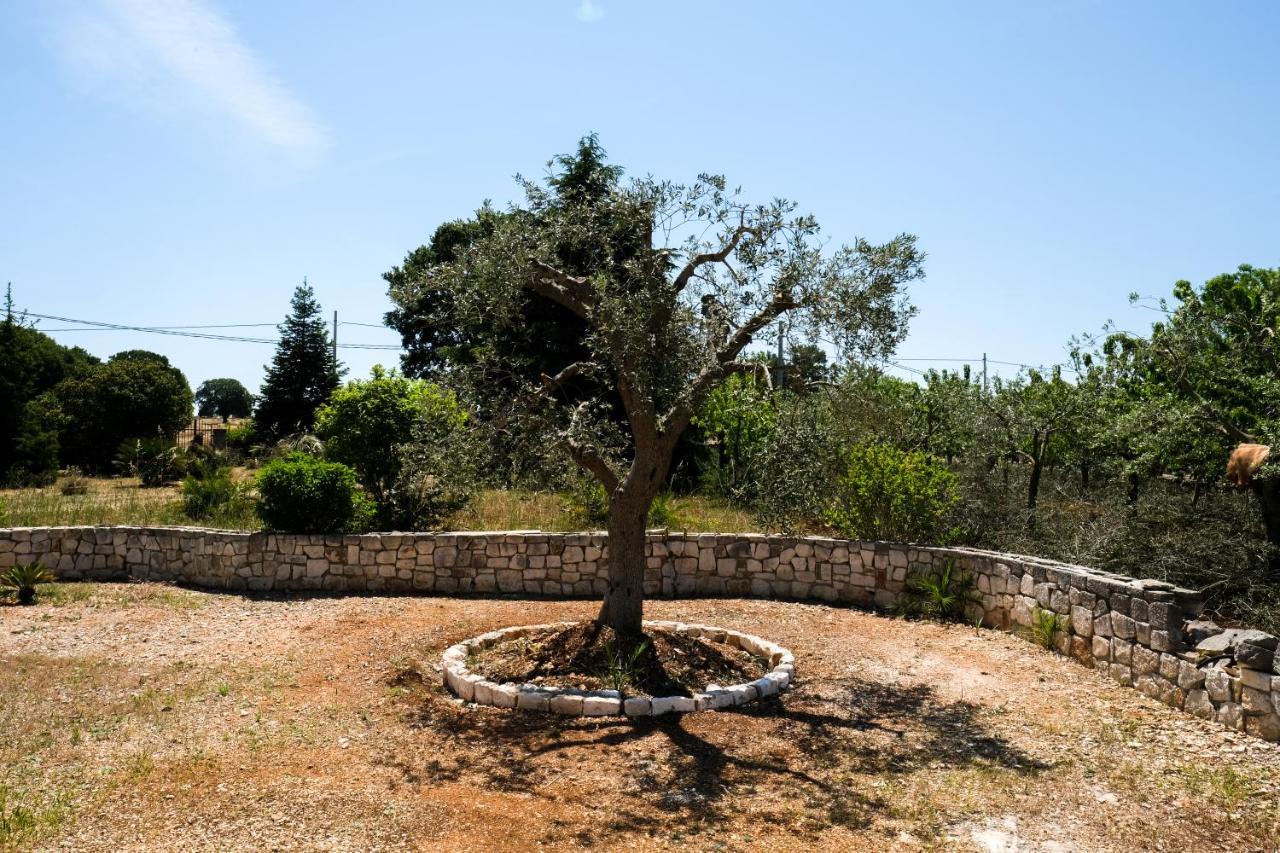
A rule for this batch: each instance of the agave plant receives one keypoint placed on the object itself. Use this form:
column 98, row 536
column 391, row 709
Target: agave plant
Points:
column 23, row 579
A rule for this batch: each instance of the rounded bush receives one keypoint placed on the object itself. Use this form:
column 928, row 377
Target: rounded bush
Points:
column 303, row 494
column 893, row 495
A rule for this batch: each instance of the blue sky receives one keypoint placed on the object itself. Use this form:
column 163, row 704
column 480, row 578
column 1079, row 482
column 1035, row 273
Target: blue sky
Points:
column 182, row 162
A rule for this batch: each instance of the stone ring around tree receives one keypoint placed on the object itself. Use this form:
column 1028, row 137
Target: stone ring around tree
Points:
column 473, row 687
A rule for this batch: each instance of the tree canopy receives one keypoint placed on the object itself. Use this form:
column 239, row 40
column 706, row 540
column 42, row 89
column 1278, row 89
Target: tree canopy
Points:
column 133, row 395
column 33, row 363
column 671, row 284
column 303, row 372
column 223, row 398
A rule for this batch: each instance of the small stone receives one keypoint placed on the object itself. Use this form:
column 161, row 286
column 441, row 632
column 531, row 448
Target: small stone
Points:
column 1198, row 704
column 600, row 706
column 533, row 700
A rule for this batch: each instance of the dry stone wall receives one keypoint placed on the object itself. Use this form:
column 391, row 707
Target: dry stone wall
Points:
column 1142, row 633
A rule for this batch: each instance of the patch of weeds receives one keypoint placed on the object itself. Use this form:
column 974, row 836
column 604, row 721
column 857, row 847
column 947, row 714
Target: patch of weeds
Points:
column 1225, row 786
column 224, row 689
column 139, row 766
column 62, row 594
column 1046, row 626
column 623, row 668
column 24, row 816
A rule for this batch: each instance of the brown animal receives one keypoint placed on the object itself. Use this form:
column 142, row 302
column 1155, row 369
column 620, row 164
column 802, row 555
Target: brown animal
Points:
column 1244, row 460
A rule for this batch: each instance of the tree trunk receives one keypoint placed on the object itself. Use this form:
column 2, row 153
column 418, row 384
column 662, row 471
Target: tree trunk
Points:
column 623, row 608
column 1037, row 466
column 1131, row 498
column 1268, row 494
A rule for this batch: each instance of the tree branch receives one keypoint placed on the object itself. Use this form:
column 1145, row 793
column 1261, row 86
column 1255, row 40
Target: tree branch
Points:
column 724, row 363
column 573, row 292
column 589, row 458
column 552, row 384
column 682, row 280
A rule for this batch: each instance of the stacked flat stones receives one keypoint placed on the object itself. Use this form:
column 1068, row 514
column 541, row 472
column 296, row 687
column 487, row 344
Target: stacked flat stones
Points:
column 1139, row 632
column 472, row 687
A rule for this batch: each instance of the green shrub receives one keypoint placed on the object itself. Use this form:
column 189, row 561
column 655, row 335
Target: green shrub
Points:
column 586, row 502
column 242, row 437
column 154, row 461
column 24, row 579
column 892, row 495
column 302, row 494
column 941, row 592
column 207, row 488
column 660, row 511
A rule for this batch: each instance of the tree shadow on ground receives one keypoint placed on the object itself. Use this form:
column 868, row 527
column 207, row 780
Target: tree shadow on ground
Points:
column 810, row 758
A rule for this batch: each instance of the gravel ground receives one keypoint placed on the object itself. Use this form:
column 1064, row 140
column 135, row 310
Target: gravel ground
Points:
column 144, row 717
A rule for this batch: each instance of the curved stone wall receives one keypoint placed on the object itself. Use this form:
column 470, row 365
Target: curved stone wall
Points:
column 1142, row 633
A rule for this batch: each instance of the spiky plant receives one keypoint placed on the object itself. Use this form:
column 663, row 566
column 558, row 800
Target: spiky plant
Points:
column 942, row 593
column 23, row 579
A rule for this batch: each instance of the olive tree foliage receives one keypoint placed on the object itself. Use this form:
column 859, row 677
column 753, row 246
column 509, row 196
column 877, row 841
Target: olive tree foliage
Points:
column 1207, row 378
column 1034, row 413
column 673, row 283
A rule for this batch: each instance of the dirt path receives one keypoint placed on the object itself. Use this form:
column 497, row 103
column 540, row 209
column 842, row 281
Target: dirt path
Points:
column 140, row 717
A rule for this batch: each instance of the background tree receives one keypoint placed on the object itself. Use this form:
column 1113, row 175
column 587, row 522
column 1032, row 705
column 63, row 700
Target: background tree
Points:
column 1034, row 413
column 130, row 396
column 668, row 314
column 1211, row 368
column 303, row 372
column 736, row 421
column 444, row 343
column 378, row 425
column 32, row 363
column 224, row 398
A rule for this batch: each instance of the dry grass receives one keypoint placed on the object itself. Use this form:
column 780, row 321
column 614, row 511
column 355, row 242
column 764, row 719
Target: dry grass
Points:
column 518, row 510
column 132, row 722
column 120, row 500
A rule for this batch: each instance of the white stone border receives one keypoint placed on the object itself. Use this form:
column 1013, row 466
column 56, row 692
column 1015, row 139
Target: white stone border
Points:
column 568, row 701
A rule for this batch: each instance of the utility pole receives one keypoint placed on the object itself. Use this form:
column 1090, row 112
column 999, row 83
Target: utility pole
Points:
column 335, row 336
column 984, row 374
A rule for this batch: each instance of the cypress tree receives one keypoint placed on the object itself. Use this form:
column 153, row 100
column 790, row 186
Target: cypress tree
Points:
column 302, row 374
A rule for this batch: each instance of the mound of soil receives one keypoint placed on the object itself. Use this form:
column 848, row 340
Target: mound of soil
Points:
column 590, row 657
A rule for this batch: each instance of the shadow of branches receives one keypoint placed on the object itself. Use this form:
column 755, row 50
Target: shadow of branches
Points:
column 810, row 758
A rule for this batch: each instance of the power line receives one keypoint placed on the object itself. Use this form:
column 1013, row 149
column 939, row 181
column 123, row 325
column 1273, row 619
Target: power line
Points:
column 166, row 328
column 185, row 332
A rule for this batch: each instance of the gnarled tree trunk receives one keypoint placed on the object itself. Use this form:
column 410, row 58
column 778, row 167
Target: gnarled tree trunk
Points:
column 623, row 608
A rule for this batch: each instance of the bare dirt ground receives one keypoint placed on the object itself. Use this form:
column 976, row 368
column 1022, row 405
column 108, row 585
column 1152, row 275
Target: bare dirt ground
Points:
column 144, row 717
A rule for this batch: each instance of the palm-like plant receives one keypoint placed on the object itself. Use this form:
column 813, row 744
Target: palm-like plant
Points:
column 23, row 579
column 943, row 593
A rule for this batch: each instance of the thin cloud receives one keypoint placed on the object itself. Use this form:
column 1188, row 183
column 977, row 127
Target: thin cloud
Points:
column 142, row 48
column 588, row 11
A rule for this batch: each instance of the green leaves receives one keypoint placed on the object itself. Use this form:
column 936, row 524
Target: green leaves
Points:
column 24, row 579
column 303, row 494
column 891, row 495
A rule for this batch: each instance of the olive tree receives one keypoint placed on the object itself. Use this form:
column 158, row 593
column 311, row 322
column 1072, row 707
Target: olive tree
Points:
column 672, row 283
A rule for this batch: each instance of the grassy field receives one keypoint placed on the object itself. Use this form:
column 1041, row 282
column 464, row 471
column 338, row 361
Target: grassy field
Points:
column 121, row 500
column 115, row 500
